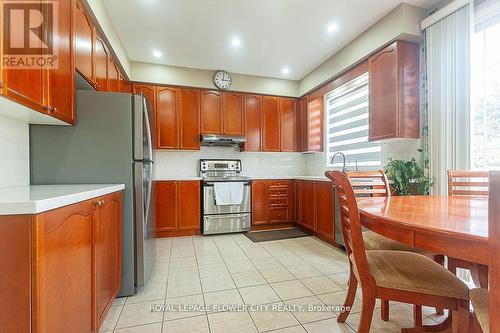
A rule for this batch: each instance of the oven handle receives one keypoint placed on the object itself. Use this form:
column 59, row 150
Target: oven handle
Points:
column 209, row 184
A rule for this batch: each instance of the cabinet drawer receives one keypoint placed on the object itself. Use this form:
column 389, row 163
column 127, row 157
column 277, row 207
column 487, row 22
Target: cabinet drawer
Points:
column 274, row 192
column 274, row 184
column 278, row 202
column 278, row 214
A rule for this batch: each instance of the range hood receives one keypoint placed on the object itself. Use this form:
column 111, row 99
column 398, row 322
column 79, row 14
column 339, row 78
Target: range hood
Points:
column 222, row 140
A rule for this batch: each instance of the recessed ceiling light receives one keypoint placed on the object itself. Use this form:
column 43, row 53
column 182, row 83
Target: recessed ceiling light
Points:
column 236, row 41
column 285, row 70
column 332, row 27
column 157, row 54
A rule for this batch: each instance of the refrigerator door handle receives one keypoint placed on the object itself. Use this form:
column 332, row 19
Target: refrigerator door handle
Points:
column 148, row 198
column 148, row 129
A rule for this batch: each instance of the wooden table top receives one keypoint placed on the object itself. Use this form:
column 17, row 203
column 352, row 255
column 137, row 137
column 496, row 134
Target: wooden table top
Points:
column 446, row 225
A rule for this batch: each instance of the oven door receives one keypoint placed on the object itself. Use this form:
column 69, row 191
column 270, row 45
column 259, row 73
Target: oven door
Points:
column 210, row 207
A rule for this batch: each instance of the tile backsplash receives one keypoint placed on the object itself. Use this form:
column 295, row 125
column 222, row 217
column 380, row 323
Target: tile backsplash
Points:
column 14, row 152
column 173, row 164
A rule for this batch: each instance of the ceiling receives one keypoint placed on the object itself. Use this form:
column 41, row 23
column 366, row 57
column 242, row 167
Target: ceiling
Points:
column 273, row 38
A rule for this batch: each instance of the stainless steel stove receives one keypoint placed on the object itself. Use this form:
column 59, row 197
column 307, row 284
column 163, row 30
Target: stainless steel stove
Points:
column 219, row 218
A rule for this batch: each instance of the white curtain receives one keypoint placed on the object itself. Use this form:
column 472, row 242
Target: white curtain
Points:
column 448, row 96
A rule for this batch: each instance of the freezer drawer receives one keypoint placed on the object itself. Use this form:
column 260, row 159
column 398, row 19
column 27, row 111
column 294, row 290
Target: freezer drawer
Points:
column 219, row 224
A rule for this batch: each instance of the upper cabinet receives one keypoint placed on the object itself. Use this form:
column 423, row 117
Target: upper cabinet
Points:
column 394, row 92
column 288, row 121
column 47, row 88
column 101, row 59
column 84, row 43
column 211, row 112
column 189, row 119
column 311, row 118
column 167, row 134
column 253, row 122
column 222, row 113
column 232, row 113
column 270, row 123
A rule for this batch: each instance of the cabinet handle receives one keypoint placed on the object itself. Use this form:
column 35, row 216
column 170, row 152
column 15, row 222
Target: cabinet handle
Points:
column 50, row 109
column 98, row 203
column 1, row 85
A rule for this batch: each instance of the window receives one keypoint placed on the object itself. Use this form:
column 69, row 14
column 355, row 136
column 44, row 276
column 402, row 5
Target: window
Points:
column 347, row 126
column 485, row 87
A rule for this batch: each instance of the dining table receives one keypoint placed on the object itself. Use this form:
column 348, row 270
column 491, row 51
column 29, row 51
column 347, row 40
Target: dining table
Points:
column 455, row 226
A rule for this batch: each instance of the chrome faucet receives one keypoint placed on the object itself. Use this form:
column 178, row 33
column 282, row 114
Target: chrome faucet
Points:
column 343, row 160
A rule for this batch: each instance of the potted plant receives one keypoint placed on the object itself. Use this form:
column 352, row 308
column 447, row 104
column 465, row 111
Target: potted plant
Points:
column 408, row 177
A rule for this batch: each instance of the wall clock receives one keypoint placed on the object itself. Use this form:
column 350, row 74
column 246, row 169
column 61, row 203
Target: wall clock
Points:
column 222, row 80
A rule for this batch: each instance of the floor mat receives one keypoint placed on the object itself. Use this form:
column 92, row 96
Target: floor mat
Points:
column 278, row 234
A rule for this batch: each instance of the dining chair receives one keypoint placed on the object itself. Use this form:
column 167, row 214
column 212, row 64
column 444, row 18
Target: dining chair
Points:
column 469, row 183
column 486, row 302
column 375, row 184
column 400, row 276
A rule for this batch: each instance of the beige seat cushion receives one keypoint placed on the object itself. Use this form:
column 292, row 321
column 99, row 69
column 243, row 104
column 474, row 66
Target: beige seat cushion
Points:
column 413, row 272
column 479, row 298
column 374, row 241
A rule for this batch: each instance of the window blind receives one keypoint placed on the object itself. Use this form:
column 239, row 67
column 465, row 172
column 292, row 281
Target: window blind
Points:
column 347, row 126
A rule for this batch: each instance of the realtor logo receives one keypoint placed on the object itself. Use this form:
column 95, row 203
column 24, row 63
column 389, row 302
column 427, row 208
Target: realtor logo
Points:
column 29, row 28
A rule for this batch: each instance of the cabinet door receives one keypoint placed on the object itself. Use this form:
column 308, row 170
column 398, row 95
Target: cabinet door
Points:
column 101, row 62
column 232, row 113
column 307, row 204
column 253, row 116
column 259, row 201
column 167, row 132
column 149, row 91
column 302, row 124
column 190, row 119
column 288, row 124
column 314, row 129
column 62, row 285
column 166, row 205
column 23, row 85
column 324, row 209
column 188, row 193
column 107, row 249
column 61, row 82
column 113, row 76
column 211, row 112
column 270, row 123
column 84, row 40
column 383, row 94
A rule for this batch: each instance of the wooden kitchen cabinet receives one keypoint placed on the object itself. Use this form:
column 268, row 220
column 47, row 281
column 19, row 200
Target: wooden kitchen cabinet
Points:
column 259, row 202
column 288, row 124
column 108, row 237
column 166, row 206
column 188, row 194
column 167, row 129
column 211, row 112
column 324, row 204
column 113, row 76
column 394, row 92
column 189, row 119
column 149, row 92
column 67, row 267
column 253, row 123
column 270, row 123
column 233, row 113
column 177, row 208
column 101, row 63
column 84, row 43
column 310, row 124
column 307, row 210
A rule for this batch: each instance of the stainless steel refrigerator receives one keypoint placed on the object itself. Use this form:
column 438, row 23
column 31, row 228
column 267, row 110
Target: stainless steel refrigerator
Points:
column 111, row 143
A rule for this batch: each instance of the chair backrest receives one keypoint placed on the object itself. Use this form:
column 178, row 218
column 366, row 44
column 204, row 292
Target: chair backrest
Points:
column 494, row 245
column 351, row 228
column 371, row 183
column 468, row 182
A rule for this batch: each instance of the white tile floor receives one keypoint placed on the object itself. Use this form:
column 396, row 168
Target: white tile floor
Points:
column 230, row 269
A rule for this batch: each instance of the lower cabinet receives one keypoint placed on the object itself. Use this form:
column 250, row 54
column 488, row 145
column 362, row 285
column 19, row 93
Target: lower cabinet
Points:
column 316, row 210
column 177, row 207
column 71, row 258
column 272, row 201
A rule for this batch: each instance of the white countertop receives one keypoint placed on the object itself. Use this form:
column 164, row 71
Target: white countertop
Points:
column 34, row 199
column 176, row 178
column 312, row 178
